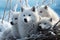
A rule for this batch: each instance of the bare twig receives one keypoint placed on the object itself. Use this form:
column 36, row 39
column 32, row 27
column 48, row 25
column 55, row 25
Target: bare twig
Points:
column 4, row 11
column 21, row 3
column 26, row 2
column 9, row 11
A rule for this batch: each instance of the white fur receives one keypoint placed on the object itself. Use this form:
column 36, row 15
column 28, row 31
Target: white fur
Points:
column 49, row 12
column 4, row 26
column 14, row 27
column 6, row 34
column 45, row 23
column 12, row 31
column 24, row 28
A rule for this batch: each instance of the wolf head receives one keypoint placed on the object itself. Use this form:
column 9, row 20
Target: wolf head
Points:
column 28, row 15
column 14, row 18
column 45, row 23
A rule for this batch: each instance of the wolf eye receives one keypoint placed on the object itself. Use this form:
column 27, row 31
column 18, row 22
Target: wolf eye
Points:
column 16, row 18
column 29, row 14
column 23, row 15
column 44, row 23
column 39, row 23
column 40, row 11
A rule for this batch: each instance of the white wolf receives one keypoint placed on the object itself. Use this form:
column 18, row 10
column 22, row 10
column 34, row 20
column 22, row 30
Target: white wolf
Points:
column 46, row 11
column 27, row 21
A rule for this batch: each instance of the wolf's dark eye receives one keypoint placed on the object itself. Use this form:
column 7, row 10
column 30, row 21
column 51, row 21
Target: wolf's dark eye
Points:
column 16, row 18
column 29, row 14
column 23, row 15
column 40, row 11
column 39, row 23
column 44, row 23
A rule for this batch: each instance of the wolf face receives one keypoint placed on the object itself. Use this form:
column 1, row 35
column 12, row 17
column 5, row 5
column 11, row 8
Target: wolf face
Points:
column 14, row 18
column 45, row 23
column 29, row 16
column 43, row 11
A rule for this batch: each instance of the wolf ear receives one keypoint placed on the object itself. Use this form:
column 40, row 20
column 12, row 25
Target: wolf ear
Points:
column 33, row 9
column 50, row 19
column 22, row 9
column 45, row 7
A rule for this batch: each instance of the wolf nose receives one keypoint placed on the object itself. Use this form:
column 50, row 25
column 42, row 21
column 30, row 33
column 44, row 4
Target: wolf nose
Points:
column 25, row 20
column 39, row 26
column 11, row 23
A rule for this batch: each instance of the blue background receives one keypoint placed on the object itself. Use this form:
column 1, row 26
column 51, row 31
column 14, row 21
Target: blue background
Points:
column 55, row 5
